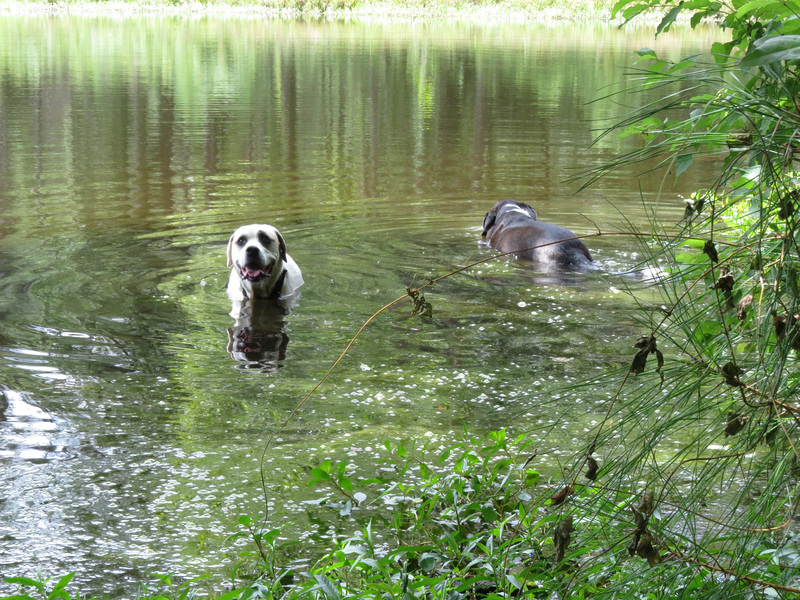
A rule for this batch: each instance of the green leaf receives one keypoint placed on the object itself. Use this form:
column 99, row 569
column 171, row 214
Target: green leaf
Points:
column 791, row 26
column 317, row 475
column 531, row 477
column 632, row 12
column 245, row 520
column 268, row 535
column 681, row 65
column 683, row 162
column 427, row 561
column 327, row 587
column 346, row 484
column 694, row 243
column 239, row 593
column 646, row 53
column 772, row 49
column 749, row 7
column 669, row 19
column 62, row 583
column 498, row 436
column 624, row 6
column 704, row 5
column 489, row 514
column 766, row 10
column 687, row 259
column 618, row 6
column 24, row 581
column 721, row 52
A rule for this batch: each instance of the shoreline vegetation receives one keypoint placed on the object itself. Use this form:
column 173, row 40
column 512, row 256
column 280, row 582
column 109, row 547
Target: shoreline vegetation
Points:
column 484, row 12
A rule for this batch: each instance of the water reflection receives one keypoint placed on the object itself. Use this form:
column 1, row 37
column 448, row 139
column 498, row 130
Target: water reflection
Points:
column 30, row 433
column 131, row 150
column 258, row 338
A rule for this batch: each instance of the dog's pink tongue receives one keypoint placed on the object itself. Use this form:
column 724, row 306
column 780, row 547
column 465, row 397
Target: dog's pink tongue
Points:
column 252, row 272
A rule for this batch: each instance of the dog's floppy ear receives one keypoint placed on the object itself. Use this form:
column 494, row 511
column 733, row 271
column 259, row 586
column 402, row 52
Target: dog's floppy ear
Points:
column 230, row 251
column 488, row 221
column 281, row 245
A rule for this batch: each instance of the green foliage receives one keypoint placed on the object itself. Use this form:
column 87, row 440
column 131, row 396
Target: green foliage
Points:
column 37, row 589
column 162, row 587
column 335, row 475
column 462, row 527
column 729, row 330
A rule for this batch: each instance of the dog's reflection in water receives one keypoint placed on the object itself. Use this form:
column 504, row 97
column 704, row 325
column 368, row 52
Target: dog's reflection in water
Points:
column 258, row 339
column 263, row 287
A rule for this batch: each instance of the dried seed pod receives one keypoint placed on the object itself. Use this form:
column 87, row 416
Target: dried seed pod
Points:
column 736, row 423
column 711, row 250
column 647, row 551
column 646, row 345
column 741, row 308
column 559, row 498
column 731, row 373
column 591, row 470
column 562, row 536
column 725, row 281
column 787, row 204
column 646, row 505
column 639, row 362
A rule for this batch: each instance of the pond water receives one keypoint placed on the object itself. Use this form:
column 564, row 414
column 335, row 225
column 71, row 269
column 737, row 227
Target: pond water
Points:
column 130, row 149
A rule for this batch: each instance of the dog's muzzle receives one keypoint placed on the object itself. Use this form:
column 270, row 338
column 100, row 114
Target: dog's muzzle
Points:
column 255, row 274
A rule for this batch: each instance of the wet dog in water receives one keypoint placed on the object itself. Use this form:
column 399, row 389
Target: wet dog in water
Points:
column 263, row 287
column 512, row 225
column 260, row 266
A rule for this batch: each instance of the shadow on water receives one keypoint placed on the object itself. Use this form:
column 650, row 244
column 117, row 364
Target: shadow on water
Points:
column 135, row 408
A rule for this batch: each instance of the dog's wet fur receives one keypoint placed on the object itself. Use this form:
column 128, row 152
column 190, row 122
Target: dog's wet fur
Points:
column 512, row 225
column 260, row 267
column 263, row 287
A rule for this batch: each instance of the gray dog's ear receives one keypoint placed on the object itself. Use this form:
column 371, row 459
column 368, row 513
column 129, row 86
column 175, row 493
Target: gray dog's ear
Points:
column 281, row 245
column 488, row 221
column 230, row 251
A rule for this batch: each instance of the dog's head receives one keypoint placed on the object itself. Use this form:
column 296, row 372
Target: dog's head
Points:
column 257, row 252
column 504, row 207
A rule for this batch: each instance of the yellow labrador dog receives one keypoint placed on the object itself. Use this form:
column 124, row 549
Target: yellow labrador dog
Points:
column 260, row 266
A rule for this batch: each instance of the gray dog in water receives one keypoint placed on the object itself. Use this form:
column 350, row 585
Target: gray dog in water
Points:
column 512, row 225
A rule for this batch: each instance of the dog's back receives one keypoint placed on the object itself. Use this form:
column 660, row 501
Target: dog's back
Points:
column 512, row 225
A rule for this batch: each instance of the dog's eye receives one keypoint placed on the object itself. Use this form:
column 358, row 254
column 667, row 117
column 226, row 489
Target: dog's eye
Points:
column 242, row 240
column 263, row 238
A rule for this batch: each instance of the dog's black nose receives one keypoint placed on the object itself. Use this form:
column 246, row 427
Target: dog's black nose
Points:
column 251, row 250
